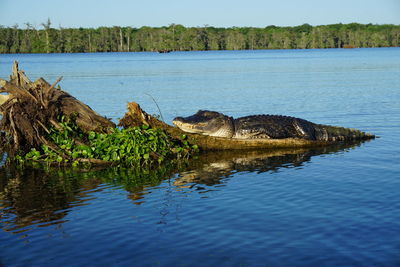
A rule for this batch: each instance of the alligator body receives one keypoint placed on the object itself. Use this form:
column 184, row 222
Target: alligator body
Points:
column 264, row 127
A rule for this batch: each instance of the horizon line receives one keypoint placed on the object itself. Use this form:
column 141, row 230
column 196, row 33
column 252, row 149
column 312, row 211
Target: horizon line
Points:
column 18, row 26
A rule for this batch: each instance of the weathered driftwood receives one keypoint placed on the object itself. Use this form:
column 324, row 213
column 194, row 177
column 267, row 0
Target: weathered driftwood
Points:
column 135, row 116
column 30, row 109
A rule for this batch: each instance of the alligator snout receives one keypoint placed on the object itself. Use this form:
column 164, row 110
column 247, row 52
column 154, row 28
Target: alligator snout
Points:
column 178, row 121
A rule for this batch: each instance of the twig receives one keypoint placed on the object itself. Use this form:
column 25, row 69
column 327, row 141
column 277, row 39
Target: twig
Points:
column 18, row 91
column 157, row 106
column 44, row 127
column 55, row 124
column 15, row 135
column 48, row 89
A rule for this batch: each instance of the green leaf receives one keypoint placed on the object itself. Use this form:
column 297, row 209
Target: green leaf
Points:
column 92, row 135
column 115, row 156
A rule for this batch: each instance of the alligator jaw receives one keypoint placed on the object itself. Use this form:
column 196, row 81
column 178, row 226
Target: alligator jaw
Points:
column 198, row 128
column 187, row 127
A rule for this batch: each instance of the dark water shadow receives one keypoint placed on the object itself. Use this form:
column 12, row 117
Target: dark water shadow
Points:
column 42, row 197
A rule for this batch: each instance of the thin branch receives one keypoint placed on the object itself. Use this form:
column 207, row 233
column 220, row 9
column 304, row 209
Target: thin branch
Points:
column 14, row 130
column 159, row 111
column 48, row 89
column 15, row 90
column 44, row 127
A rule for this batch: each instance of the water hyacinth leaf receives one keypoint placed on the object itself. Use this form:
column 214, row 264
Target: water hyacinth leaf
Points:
column 120, row 145
column 92, row 135
column 115, row 156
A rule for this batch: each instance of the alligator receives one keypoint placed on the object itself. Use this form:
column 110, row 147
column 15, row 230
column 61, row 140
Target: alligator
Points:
column 216, row 124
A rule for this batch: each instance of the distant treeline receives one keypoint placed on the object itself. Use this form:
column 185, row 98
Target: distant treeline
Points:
column 179, row 38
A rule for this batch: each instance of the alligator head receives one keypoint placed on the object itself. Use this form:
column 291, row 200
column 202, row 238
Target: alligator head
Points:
column 208, row 123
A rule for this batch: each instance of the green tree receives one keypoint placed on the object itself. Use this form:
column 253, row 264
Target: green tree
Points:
column 179, row 38
column 46, row 25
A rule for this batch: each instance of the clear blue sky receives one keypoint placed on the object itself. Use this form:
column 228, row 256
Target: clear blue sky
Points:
column 219, row 13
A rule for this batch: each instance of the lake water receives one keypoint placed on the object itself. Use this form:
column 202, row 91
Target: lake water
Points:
column 338, row 206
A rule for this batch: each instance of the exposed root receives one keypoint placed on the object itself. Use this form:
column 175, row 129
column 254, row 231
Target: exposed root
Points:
column 31, row 108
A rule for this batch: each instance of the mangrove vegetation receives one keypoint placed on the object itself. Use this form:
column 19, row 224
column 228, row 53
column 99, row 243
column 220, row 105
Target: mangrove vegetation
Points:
column 175, row 37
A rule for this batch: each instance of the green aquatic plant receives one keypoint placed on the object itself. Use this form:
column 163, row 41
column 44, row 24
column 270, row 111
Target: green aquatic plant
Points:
column 68, row 144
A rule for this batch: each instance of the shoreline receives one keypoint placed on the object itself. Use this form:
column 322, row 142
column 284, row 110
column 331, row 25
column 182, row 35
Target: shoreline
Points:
column 177, row 37
column 183, row 51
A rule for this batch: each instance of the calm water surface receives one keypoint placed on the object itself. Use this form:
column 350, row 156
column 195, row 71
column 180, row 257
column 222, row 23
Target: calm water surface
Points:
column 338, row 206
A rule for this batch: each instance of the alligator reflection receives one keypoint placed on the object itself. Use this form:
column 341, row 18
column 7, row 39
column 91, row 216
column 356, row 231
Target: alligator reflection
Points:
column 212, row 167
column 44, row 197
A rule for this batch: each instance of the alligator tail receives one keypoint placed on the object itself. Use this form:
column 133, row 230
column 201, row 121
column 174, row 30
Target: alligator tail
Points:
column 333, row 133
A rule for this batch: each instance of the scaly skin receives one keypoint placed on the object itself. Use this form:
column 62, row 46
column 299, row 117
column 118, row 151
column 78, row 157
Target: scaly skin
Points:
column 264, row 127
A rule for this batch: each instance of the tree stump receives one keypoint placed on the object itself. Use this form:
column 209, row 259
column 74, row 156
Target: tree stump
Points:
column 30, row 109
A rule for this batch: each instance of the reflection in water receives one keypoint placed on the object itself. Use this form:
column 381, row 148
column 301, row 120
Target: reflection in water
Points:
column 212, row 167
column 36, row 196
column 44, row 197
